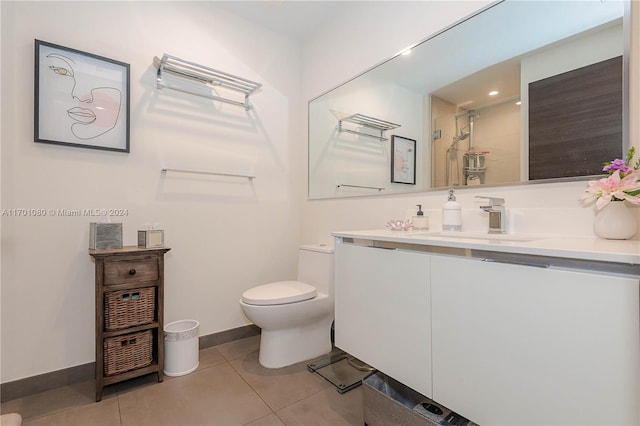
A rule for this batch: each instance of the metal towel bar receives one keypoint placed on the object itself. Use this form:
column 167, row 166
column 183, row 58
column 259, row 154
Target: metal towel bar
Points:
column 250, row 177
column 360, row 186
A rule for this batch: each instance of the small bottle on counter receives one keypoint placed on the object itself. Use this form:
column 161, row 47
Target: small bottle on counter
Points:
column 451, row 214
column 420, row 221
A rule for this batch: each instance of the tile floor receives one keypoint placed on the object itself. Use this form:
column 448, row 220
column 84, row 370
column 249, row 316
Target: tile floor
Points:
column 229, row 388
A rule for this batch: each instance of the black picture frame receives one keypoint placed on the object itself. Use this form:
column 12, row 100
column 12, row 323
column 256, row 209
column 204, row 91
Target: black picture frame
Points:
column 80, row 99
column 403, row 160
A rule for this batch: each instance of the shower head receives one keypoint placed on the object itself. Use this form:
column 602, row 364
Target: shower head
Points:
column 462, row 136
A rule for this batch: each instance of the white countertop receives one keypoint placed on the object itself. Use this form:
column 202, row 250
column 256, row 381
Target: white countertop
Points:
column 583, row 248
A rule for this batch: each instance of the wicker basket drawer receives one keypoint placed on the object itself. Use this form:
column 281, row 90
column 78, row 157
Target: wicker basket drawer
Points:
column 124, row 271
column 128, row 308
column 127, row 352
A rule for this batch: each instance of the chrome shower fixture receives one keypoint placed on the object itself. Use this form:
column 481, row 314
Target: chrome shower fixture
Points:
column 462, row 136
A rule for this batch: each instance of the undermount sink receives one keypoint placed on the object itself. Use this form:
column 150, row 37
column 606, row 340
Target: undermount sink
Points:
column 479, row 236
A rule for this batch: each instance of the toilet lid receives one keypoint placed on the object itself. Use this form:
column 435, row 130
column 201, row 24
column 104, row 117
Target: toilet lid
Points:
column 279, row 293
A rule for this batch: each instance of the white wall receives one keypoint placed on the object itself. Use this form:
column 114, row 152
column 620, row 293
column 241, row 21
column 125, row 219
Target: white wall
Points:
column 0, row 198
column 357, row 47
column 225, row 235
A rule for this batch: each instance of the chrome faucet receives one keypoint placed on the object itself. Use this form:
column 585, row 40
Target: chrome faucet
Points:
column 497, row 215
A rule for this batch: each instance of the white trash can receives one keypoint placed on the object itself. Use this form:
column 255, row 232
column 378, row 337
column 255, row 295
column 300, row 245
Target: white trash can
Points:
column 181, row 347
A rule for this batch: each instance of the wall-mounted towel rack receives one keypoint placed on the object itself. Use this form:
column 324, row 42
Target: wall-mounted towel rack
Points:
column 189, row 77
column 198, row 172
column 360, row 186
column 369, row 122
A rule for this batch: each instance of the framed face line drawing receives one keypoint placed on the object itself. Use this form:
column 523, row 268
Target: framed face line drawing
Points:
column 81, row 99
column 403, row 160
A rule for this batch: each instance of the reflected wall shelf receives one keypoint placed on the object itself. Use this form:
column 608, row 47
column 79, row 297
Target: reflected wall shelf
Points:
column 367, row 122
column 188, row 77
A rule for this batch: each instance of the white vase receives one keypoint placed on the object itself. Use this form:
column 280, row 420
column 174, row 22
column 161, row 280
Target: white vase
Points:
column 615, row 222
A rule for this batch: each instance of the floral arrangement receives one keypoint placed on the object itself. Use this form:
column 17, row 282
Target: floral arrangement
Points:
column 399, row 225
column 622, row 183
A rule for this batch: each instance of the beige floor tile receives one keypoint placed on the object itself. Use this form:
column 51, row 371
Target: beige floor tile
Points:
column 103, row 413
column 239, row 348
column 55, row 400
column 270, row 420
column 135, row 383
column 211, row 396
column 282, row 386
column 209, row 357
column 328, row 408
column 222, row 393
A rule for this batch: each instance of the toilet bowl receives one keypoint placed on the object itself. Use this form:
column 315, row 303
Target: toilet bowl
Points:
column 295, row 316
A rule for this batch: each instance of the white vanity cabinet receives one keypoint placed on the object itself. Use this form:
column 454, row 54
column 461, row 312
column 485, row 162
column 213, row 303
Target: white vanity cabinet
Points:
column 523, row 345
column 382, row 311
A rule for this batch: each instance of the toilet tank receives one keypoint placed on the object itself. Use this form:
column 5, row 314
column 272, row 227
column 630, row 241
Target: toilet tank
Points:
column 315, row 267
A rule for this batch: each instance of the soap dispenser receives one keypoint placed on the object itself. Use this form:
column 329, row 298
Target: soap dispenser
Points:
column 420, row 221
column 451, row 214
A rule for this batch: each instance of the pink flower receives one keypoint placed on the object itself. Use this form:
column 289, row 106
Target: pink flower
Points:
column 614, row 188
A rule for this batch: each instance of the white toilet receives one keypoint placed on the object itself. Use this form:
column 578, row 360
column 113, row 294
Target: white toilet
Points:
column 295, row 316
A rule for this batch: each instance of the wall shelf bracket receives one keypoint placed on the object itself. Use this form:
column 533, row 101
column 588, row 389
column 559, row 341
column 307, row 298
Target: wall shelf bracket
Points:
column 188, row 77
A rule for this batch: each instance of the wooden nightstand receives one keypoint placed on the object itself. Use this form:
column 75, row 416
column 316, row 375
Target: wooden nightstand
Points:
column 129, row 314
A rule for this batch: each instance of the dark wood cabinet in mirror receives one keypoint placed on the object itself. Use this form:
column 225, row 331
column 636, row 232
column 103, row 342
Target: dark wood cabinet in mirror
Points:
column 575, row 121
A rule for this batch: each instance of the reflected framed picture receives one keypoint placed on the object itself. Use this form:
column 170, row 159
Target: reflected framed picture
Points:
column 403, row 160
column 81, row 99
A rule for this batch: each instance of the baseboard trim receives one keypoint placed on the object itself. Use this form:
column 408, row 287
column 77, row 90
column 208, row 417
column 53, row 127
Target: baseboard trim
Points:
column 80, row 373
column 215, row 339
column 47, row 381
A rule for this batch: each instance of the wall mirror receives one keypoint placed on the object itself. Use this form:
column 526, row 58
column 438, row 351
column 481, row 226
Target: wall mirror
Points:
column 560, row 70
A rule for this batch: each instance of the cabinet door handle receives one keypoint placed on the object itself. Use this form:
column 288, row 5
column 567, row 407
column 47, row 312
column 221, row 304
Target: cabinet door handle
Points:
column 132, row 271
column 516, row 262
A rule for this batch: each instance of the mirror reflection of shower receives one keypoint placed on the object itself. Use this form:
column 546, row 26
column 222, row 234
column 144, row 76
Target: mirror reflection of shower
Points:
column 473, row 168
column 453, row 165
column 475, row 146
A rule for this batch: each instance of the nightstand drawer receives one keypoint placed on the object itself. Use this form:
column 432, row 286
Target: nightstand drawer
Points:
column 129, row 308
column 124, row 271
column 127, row 352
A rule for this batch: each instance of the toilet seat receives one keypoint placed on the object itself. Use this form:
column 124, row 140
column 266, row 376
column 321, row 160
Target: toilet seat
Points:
column 279, row 293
